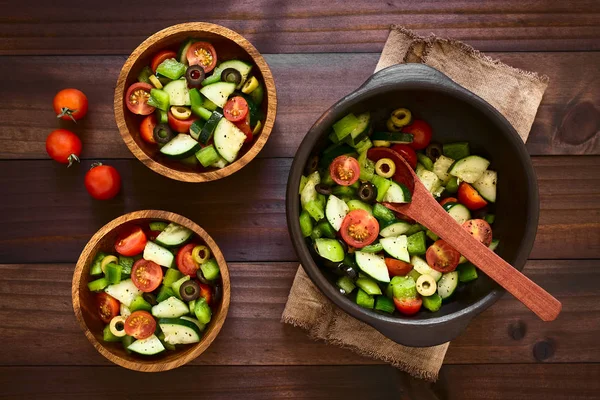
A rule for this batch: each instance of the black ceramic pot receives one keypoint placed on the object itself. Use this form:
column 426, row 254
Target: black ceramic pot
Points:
column 455, row 114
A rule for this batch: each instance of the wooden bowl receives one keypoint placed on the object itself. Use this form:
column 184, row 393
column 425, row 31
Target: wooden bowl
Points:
column 83, row 299
column 228, row 44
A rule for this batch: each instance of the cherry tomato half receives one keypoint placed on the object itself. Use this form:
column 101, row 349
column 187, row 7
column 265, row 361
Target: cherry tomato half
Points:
column 407, row 153
column 181, row 126
column 397, row 267
column 448, row 200
column 137, row 98
column 421, row 134
column 206, row 292
column 202, row 54
column 185, row 261
column 344, row 170
column 131, row 241
column 402, row 174
column 108, row 307
column 235, row 109
column 70, row 104
column 160, row 57
column 146, row 275
column 468, row 196
column 102, row 182
column 442, row 257
column 480, row 230
column 244, row 126
column 408, row 306
column 359, row 229
column 140, row 325
column 63, row 146
column 147, row 128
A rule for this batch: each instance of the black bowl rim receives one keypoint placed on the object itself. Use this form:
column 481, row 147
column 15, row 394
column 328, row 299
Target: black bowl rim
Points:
column 418, row 76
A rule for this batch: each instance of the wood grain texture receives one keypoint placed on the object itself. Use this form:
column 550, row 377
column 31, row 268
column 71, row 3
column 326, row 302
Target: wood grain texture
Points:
column 424, row 209
column 35, row 303
column 51, row 216
column 86, row 311
column 230, row 45
column 112, row 27
column 567, row 122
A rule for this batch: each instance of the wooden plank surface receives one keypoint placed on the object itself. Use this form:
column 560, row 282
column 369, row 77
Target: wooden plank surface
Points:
column 567, row 121
column 35, row 305
column 110, row 27
column 490, row 382
column 51, row 216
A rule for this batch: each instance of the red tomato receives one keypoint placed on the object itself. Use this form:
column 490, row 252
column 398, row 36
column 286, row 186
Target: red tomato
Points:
column 70, row 104
column 140, row 325
column 397, row 267
column 480, row 230
column 421, row 134
column 407, row 153
column 408, row 306
column 236, row 109
column 63, row 146
column 442, row 257
column 147, row 128
column 185, row 262
column 359, row 228
column 160, row 57
column 146, row 275
column 344, row 170
column 137, row 98
column 131, row 241
column 468, row 196
column 108, row 307
column 206, row 292
column 402, row 175
column 181, row 126
column 202, row 54
column 244, row 126
column 448, row 200
column 102, row 182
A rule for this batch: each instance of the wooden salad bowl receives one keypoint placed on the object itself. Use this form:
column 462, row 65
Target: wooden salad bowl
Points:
column 229, row 45
column 83, row 299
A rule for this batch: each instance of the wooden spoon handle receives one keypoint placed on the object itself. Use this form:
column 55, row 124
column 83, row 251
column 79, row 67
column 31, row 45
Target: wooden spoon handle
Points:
column 433, row 216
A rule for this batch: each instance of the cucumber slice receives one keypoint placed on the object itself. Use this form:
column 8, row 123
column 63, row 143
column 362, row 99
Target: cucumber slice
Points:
column 447, row 284
column 397, row 247
column 221, row 163
column 331, row 249
column 346, row 284
column 158, row 254
column 361, row 130
column 243, row 68
column 382, row 213
column 308, row 194
column 179, row 331
column 170, row 308
column 373, row 265
column 182, row 52
column 181, row 146
column 336, row 211
column 469, row 169
column 395, row 229
column 429, row 179
column 209, row 127
column 397, row 193
column 368, row 285
column 176, row 286
column 359, row 205
column 173, row 235
column 440, row 168
column 124, row 291
column 344, row 127
column 149, row 346
column 199, row 324
column 393, row 137
column 218, row 92
column 423, row 268
column 486, row 185
column 196, row 129
column 494, row 245
column 425, row 161
column 460, row 213
column 178, row 91
column 375, row 247
column 228, row 139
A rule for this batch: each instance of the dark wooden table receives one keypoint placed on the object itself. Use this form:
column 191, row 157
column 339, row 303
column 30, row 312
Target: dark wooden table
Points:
column 318, row 52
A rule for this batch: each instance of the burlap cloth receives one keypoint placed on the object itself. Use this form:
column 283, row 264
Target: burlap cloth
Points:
column 513, row 92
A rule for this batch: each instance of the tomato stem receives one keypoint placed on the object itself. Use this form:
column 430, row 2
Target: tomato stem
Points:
column 72, row 158
column 96, row 164
column 67, row 111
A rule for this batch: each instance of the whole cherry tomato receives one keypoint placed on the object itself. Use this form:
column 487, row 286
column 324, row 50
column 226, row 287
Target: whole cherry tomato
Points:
column 63, row 146
column 102, row 182
column 70, row 104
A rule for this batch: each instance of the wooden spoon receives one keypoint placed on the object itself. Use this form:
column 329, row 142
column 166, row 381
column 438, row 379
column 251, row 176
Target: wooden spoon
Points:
column 426, row 210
